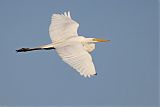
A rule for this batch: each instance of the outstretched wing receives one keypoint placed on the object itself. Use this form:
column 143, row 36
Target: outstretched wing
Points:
column 62, row 27
column 78, row 58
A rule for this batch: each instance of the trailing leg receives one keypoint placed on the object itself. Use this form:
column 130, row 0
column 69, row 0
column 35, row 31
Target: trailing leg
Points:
column 44, row 47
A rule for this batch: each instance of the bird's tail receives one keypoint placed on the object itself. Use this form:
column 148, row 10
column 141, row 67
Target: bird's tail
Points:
column 45, row 47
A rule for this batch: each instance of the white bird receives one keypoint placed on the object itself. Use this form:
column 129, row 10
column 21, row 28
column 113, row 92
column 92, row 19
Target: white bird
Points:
column 73, row 49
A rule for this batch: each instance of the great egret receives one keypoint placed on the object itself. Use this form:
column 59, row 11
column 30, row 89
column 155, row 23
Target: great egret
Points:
column 73, row 49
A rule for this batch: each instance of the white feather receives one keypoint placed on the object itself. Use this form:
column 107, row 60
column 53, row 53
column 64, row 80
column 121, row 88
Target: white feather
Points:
column 75, row 55
column 62, row 27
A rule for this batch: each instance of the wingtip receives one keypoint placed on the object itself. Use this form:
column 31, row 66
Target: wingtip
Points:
column 65, row 14
column 69, row 15
column 95, row 74
column 84, row 75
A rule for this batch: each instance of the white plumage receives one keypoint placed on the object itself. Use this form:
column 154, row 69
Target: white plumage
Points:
column 75, row 54
column 62, row 27
column 73, row 49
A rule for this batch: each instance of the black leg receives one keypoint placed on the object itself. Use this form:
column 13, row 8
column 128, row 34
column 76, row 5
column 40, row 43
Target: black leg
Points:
column 32, row 49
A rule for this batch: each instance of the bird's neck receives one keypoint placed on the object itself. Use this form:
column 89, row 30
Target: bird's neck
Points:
column 85, row 40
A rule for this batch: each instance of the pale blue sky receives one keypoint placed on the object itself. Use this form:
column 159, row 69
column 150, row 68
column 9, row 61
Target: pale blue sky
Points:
column 127, row 67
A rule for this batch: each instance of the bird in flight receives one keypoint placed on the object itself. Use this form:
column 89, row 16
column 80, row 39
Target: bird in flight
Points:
column 73, row 49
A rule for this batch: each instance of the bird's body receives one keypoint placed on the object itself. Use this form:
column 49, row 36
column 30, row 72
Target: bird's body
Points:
column 73, row 49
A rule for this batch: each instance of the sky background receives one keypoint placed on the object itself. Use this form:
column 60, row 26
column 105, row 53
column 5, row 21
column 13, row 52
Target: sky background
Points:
column 127, row 66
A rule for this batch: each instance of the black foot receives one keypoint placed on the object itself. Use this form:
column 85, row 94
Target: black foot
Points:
column 23, row 50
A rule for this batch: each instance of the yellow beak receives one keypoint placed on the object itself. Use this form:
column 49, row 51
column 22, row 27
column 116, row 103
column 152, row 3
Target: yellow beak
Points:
column 100, row 40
